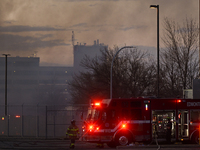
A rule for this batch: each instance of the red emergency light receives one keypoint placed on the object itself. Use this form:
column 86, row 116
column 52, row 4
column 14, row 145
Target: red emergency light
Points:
column 91, row 128
column 97, row 104
column 123, row 125
column 17, row 116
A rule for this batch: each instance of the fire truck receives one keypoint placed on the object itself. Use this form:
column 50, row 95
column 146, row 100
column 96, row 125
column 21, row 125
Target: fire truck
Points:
column 123, row 121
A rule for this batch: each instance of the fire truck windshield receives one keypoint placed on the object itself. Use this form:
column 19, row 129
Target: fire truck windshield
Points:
column 93, row 114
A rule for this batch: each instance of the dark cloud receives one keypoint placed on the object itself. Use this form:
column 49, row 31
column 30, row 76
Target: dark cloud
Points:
column 86, row 0
column 27, row 29
column 132, row 27
column 79, row 25
column 9, row 22
column 11, row 42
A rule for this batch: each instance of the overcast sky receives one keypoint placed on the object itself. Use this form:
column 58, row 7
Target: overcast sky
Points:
column 45, row 26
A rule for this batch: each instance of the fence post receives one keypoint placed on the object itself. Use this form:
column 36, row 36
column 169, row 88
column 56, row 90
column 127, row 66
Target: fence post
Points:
column 46, row 121
column 22, row 121
column 199, row 134
column 36, row 120
column 54, row 126
column 8, row 119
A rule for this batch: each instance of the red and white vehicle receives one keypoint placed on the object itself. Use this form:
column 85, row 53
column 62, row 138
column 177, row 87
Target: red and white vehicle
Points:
column 123, row 121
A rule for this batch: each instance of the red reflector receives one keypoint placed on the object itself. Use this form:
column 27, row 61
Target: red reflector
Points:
column 179, row 115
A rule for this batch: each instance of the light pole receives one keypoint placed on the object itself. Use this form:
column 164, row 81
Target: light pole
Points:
column 157, row 7
column 6, row 55
column 199, row 39
column 112, row 67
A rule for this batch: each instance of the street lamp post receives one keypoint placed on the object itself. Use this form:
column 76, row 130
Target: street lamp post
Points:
column 112, row 67
column 157, row 7
column 6, row 55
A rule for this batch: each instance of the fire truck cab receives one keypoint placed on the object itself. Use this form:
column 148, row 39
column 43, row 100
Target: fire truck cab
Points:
column 123, row 121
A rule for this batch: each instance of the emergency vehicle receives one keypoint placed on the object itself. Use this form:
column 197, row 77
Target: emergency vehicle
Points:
column 123, row 121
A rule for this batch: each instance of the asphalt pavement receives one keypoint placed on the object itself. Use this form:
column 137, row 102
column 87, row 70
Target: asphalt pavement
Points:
column 62, row 144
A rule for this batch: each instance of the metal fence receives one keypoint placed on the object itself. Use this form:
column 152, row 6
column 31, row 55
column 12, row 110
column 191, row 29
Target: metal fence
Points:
column 39, row 121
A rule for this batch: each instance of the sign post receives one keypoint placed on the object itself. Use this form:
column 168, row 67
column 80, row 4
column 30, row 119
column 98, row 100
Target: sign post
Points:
column 199, row 134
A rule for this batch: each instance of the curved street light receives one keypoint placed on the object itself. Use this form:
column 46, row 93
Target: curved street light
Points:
column 112, row 67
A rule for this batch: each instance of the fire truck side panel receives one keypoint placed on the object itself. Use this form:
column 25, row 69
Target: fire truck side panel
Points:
column 137, row 121
column 163, row 104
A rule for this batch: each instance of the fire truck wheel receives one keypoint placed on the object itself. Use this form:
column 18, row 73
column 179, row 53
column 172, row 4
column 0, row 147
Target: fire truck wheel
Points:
column 196, row 138
column 111, row 144
column 123, row 139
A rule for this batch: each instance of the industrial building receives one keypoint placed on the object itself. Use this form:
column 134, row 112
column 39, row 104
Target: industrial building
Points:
column 30, row 83
column 81, row 50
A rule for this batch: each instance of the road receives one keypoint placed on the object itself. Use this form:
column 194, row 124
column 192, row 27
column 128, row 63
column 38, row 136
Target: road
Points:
column 36, row 144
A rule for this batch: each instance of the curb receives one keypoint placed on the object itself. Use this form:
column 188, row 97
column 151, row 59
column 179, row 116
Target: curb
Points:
column 160, row 146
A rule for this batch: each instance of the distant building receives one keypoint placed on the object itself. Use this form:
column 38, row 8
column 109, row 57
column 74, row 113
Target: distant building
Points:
column 196, row 89
column 81, row 50
column 29, row 83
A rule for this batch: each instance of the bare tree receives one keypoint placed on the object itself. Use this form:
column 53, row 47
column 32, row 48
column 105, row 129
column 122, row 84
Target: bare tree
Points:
column 179, row 57
column 132, row 74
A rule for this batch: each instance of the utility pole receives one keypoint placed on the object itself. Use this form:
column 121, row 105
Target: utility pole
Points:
column 6, row 55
